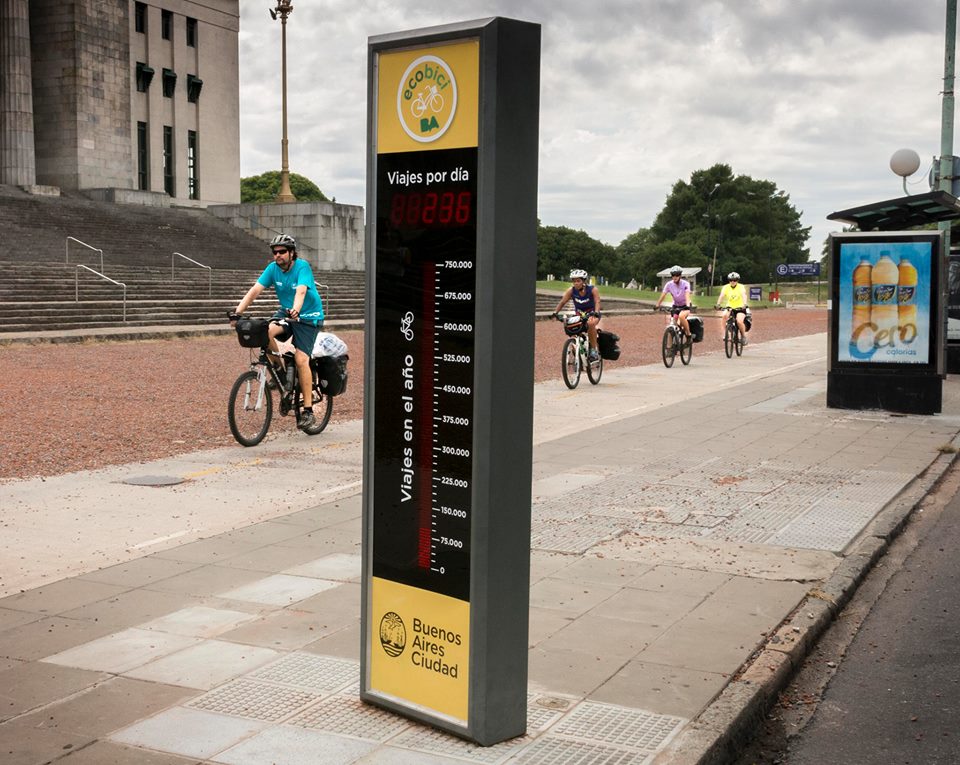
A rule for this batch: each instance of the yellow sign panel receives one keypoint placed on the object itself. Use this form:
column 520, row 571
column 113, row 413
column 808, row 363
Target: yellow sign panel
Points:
column 420, row 647
column 428, row 98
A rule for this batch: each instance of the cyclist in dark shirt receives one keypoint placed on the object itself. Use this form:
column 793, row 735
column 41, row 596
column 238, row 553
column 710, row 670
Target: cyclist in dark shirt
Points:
column 586, row 302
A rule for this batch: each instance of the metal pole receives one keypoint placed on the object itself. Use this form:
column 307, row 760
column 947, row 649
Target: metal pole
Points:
column 947, row 113
column 284, row 8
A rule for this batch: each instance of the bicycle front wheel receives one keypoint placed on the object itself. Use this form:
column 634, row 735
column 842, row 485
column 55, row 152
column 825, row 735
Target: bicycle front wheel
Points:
column 595, row 369
column 686, row 350
column 570, row 363
column 729, row 338
column 250, row 409
column 669, row 347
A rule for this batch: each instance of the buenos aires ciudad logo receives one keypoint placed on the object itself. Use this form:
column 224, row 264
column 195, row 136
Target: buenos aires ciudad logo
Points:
column 393, row 634
column 427, row 99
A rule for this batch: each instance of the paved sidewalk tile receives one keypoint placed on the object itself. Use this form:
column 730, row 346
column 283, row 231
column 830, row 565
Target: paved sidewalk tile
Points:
column 239, row 642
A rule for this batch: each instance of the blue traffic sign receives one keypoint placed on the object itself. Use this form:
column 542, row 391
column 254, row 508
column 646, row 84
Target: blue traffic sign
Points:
column 798, row 269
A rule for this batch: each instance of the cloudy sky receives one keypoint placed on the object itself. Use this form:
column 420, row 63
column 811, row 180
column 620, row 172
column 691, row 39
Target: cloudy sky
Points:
column 813, row 95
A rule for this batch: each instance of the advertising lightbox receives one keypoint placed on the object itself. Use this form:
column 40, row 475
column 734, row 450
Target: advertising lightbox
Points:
column 886, row 321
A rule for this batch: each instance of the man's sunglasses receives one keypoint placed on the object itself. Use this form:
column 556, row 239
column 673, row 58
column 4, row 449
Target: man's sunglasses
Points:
column 281, row 252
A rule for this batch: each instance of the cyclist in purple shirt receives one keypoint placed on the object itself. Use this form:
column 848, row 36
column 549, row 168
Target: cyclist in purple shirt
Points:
column 679, row 289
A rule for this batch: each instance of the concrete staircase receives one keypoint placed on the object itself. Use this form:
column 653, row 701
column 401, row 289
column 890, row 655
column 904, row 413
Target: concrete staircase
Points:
column 43, row 290
column 35, row 228
column 44, row 296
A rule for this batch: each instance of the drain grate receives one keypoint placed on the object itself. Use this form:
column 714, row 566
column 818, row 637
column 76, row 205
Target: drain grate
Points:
column 574, row 537
column 617, row 726
column 552, row 751
column 422, row 739
column 254, row 700
column 348, row 716
column 831, row 525
column 308, row 671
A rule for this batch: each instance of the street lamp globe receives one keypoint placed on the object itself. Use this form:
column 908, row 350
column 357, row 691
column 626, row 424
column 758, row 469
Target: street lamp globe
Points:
column 905, row 162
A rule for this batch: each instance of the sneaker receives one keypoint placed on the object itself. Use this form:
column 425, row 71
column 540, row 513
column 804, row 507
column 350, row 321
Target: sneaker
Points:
column 594, row 356
column 745, row 341
column 306, row 421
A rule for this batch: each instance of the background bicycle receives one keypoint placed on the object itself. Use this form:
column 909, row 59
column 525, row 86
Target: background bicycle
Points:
column 733, row 339
column 674, row 343
column 576, row 352
column 250, row 408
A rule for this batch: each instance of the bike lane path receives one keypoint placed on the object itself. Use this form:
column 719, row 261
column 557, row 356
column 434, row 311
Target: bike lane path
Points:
column 712, row 501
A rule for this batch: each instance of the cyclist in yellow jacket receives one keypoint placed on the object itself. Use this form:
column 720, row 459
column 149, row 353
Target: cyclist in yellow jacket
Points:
column 733, row 299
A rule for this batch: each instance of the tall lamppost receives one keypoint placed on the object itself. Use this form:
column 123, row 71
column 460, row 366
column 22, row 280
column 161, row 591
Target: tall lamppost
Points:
column 768, row 204
column 713, row 268
column 709, row 227
column 284, row 8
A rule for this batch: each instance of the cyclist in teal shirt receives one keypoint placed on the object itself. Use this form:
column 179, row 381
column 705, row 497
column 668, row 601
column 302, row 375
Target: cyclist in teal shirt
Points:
column 301, row 315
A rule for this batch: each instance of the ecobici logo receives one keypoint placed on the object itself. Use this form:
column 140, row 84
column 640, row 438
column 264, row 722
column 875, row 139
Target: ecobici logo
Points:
column 427, row 99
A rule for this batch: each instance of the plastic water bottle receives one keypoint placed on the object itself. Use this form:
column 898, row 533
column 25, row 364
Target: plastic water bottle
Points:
column 291, row 374
column 885, row 280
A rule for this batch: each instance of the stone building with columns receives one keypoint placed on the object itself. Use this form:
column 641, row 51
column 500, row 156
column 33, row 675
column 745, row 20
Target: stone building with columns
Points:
column 121, row 99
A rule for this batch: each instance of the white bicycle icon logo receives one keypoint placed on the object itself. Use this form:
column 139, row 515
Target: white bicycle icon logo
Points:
column 405, row 326
column 429, row 98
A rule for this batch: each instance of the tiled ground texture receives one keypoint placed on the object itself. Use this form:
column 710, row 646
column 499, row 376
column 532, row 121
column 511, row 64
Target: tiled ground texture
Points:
column 658, row 567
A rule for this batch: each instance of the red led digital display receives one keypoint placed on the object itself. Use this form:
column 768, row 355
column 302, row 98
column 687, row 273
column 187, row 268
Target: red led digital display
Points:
column 431, row 209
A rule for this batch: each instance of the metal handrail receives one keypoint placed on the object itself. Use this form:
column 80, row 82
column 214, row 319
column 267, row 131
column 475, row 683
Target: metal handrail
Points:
column 324, row 297
column 88, row 246
column 76, row 285
column 173, row 259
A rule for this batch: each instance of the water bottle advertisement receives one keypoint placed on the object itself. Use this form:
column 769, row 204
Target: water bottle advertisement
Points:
column 884, row 300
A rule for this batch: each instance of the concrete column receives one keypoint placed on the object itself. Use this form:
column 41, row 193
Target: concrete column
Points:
column 17, row 155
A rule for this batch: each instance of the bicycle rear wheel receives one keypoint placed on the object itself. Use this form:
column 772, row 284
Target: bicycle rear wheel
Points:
column 322, row 406
column 570, row 363
column 668, row 347
column 728, row 340
column 686, row 350
column 250, row 409
column 595, row 369
column 738, row 341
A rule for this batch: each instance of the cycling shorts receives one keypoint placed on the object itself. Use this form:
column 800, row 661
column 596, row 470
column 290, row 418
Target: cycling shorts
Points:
column 676, row 309
column 304, row 335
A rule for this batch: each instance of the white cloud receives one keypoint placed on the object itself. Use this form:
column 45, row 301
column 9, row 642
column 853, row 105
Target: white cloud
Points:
column 814, row 95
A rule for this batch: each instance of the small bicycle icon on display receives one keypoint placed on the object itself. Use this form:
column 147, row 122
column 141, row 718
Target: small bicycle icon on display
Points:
column 429, row 98
column 406, row 324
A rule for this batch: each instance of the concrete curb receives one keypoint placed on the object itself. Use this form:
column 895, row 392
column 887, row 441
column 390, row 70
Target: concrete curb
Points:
column 716, row 736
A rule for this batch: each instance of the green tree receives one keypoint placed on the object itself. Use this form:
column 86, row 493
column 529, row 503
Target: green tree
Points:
column 560, row 249
column 263, row 188
column 747, row 225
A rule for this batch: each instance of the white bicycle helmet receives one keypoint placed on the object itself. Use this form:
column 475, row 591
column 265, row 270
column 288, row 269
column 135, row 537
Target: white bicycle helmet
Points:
column 578, row 273
column 676, row 271
column 284, row 240
column 733, row 275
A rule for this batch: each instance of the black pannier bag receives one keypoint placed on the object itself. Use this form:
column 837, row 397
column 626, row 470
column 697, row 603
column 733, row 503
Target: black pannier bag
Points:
column 332, row 371
column 607, row 345
column 252, row 333
column 696, row 328
column 747, row 321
